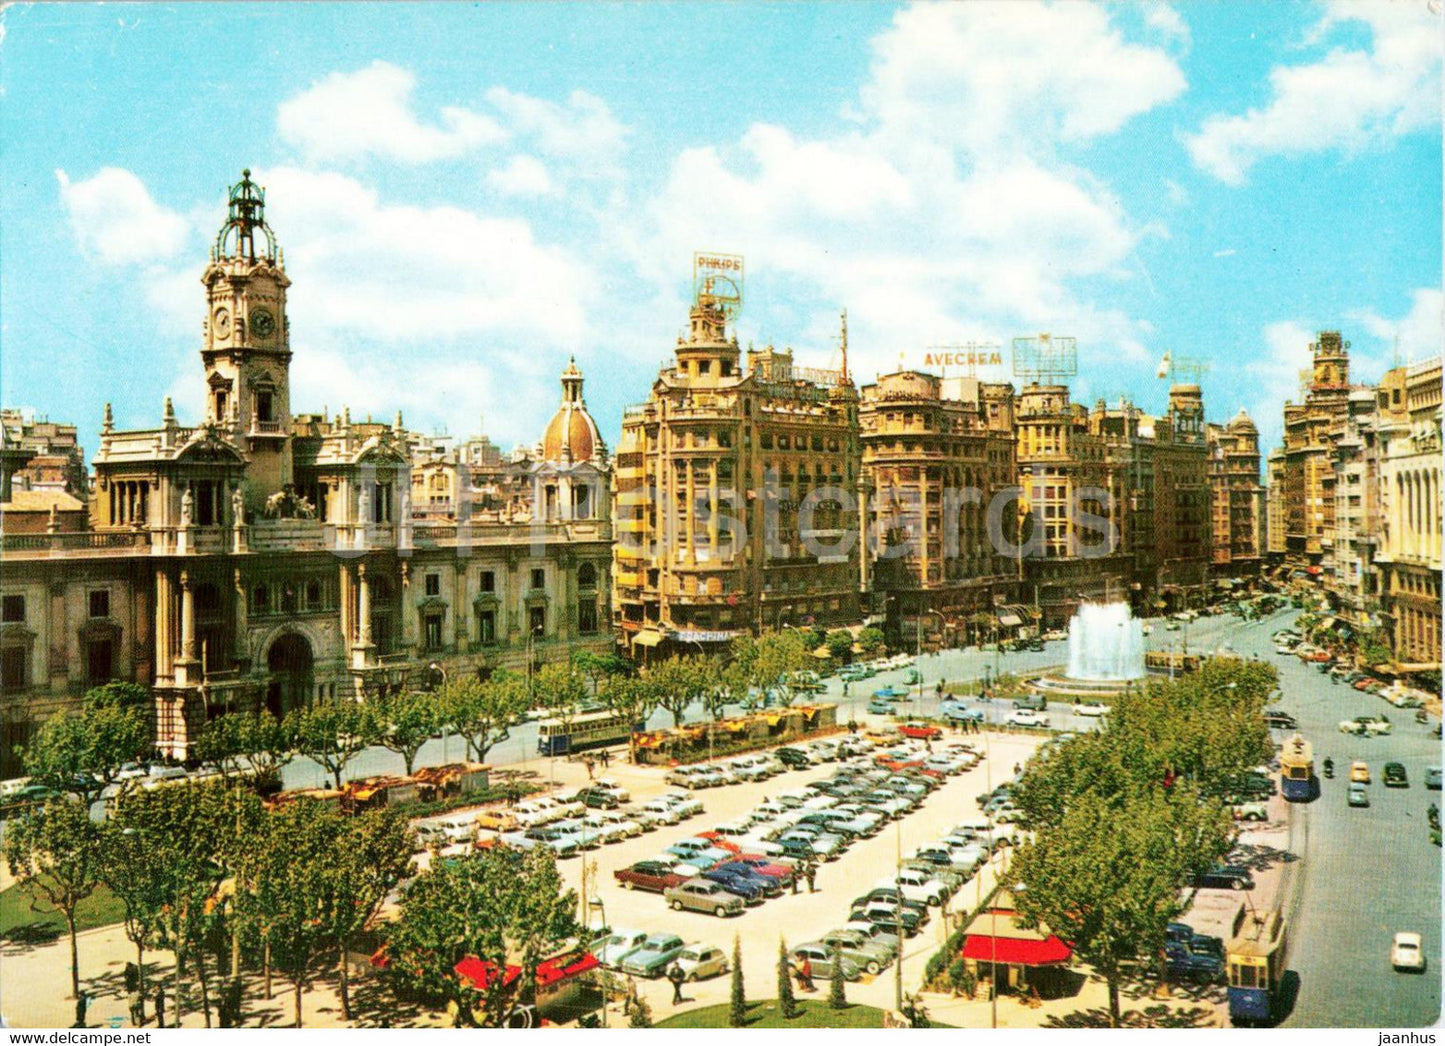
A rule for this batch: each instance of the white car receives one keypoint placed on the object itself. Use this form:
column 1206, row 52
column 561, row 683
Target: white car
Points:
column 685, row 805
column 1026, row 717
column 1091, row 708
column 606, row 784
column 1365, row 725
column 615, row 946
column 1407, row 953
column 660, row 812
column 614, row 826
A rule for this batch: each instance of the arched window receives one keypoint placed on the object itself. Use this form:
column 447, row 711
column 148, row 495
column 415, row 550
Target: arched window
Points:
column 587, row 576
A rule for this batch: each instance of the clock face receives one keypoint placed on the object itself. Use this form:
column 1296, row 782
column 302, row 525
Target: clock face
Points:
column 221, row 323
column 262, row 323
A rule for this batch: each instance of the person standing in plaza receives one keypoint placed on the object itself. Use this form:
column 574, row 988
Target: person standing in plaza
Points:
column 811, row 874
column 676, row 976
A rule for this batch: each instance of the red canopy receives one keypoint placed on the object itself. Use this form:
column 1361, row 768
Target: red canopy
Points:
column 1016, row 952
column 479, row 972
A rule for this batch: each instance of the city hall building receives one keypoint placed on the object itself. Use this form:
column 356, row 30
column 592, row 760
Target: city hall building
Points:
column 265, row 559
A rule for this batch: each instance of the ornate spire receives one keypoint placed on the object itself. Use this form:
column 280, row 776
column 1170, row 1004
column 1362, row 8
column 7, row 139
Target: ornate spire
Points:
column 108, row 425
column 169, row 415
column 245, row 216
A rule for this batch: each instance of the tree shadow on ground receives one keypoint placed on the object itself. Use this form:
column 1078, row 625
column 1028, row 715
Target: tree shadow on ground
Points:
column 29, row 935
column 1158, row 1016
column 1258, row 857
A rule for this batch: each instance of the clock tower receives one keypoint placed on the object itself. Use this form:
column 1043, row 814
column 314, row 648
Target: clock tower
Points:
column 247, row 341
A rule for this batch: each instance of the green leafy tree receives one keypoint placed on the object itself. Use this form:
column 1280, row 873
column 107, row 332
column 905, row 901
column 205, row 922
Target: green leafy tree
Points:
column 294, row 878
column 496, row 905
column 483, row 713
column 125, row 870
column 737, row 997
column 636, row 698
column 406, row 721
column 82, row 753
column 333, row 733
column 182, row 829
column 780, row 657
column 372, row 855
column 840, row 644
column 871, row 641
column 680, row 683
column 837, row 992
column 52, row 852
column 787, row 1001
column 1106, row 877
column 598, row 668
column 119, row 694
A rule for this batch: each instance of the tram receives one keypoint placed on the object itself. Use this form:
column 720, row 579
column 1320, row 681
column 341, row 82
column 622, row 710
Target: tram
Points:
column 586, row 730
column 1254, row 963
column 1297, row 770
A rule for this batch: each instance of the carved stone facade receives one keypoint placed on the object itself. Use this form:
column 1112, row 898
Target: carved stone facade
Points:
column 265, row 559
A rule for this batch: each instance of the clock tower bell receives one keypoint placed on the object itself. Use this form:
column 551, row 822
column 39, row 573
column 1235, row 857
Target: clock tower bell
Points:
column 247, row 341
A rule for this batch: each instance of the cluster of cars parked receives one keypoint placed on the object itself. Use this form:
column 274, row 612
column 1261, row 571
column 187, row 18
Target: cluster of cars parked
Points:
column 1192, row 956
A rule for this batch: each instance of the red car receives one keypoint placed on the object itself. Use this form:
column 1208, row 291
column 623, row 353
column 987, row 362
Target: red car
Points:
column 764, row 866
column 649, row 875
column 921, row 732
column 721, row 841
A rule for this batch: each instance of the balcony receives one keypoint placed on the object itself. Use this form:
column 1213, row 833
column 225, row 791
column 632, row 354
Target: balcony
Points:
column 88, row 544
column 265, row 429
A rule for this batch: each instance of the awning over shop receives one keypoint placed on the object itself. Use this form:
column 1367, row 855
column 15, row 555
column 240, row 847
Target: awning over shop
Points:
column 1015, row 952
column 1009, row 620
column 646, row 638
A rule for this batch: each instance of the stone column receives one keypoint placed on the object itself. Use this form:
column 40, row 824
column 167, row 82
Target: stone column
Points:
column 164, row 624
column 363, row 607
column 240, row 646
column 712, row 509
column 687, row 517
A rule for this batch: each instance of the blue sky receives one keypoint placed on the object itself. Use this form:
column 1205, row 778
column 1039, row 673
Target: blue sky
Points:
column 467, row 195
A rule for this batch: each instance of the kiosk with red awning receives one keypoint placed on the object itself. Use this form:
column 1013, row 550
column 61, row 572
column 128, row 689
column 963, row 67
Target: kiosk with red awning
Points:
column 997, row 946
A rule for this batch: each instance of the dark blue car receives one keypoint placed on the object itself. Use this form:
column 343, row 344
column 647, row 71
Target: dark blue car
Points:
column 748, row 888
column 1192, row 966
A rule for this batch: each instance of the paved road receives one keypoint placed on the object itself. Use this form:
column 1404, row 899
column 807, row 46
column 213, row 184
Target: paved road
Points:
column 1366, row 873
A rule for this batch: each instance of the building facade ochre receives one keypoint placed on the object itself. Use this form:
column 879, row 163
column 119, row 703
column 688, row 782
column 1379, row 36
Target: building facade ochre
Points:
column 1238, row 498
column 265, row 559
column 939, row 468
column 726, row 506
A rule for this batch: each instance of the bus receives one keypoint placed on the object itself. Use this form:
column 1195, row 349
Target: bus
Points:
column 559, row 736
column 1297, row 770
column 1254, row 964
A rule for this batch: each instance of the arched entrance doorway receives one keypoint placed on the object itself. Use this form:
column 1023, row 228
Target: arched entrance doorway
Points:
column 290, row 662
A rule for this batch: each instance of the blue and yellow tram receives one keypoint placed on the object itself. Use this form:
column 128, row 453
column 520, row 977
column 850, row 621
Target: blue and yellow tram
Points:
column 1297, row 770
column 1254, row 964
column 559, row 736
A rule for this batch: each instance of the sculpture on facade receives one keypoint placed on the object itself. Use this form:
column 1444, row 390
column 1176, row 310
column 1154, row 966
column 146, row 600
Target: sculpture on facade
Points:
column 188, row 508
column 238, row 507
column 287, row 504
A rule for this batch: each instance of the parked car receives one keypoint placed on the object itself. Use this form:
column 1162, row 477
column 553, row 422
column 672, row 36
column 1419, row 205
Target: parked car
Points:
column 701, row 961
column 1280, row 720
column 1034, row 701
column 1432, row 778
column 652, row 957
column 1185, row 964
column 1395, row 776
column 598, row 799
column 703, row 895
column 685, row 805
column 887, row 915
column 820, row 957
column 744, row 882
column 1225, row 876
column 1026, row 717
column 794, row 758
column 1093, row 709
column 497, row 820
column 859, row 949
column 921, row 731
column 1251, row 812
column 648, row 875
column 617, row 945
column 1407, row 952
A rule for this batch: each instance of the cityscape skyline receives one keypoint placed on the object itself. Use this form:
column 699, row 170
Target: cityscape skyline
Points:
column 568, row 184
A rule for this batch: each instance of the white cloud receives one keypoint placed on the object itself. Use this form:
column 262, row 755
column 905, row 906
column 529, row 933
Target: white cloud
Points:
column 1226, row 252
column 994, row 74
column 522, row 176
column 925, row 235
column 582, row 131
column 1166, row 20
column 1350, row 100
column 369, row 113
column 1418, row 331
column 407, row 274
column 1178, row 195
column 115, row 220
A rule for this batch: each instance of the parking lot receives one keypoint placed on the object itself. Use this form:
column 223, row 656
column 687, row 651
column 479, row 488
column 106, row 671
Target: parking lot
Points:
column 795, row 918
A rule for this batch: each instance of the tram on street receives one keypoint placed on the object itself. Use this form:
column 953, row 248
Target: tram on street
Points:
column 1297, row 770
column 559, row 736
column 1255, row 964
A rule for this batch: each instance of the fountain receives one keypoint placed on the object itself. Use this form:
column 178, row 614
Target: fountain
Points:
column 1106, row 654
column 1106, row 644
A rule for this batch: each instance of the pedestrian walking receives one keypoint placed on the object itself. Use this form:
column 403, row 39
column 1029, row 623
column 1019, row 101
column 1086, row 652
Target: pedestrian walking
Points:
column 796, row 877
column 807, row 972
column 606, row 759
column 811, row 874
column 588, row 762
column 82, row 1003
column 676, row 976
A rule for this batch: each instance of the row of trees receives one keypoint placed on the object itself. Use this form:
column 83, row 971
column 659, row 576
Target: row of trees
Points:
column 204, row 872
column 1125, row 816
